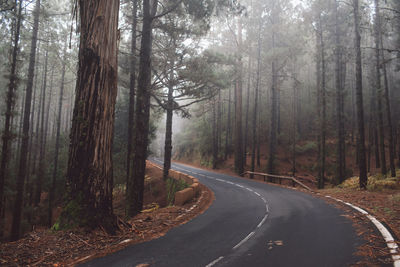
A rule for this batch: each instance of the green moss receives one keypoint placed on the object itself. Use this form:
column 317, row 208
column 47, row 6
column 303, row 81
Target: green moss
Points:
column 72, row 215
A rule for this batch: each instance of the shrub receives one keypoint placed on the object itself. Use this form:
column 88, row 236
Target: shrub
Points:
column 306, row 148
column 174, row 186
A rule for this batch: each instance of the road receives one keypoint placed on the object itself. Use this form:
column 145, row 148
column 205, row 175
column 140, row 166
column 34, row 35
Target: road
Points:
column 249, row 224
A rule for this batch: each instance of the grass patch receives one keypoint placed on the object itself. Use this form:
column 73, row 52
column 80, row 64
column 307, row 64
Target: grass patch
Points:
column 307, row 147
column 174, row 186
column 375, row 183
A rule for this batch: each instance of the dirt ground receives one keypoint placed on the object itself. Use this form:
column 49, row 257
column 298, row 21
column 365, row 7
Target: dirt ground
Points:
column 68, row 248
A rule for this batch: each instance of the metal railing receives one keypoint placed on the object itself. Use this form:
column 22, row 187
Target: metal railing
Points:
column 273, row 176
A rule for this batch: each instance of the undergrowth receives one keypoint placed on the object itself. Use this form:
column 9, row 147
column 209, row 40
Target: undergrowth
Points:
column 174, row 186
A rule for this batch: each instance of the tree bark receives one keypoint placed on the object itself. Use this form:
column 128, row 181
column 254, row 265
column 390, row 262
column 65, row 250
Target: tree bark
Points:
column 132, row 87
column 255, row 110
column 214, row 133
column 228, row 127
column 142, row 116
column 168, row 127
column 90, row 170
column 274, row 113
column 246, row 127
column 340, row 160
column 386, row 99
column 378, row 88
column 10, row 101
column 359, row 98
column 323, row 102
column 16, row 222
column 239, row 168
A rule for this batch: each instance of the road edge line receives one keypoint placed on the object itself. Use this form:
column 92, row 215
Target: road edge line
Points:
column 387, row 236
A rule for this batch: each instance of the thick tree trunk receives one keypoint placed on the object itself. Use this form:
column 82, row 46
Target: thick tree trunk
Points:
column 57, row 145
column 132, row 86
column 16, row 223
column 359, row 101
column 10, row 100
column 142, row 116
column 90, row 170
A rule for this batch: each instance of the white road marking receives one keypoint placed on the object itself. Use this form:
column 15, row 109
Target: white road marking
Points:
column 390, row 242
column 263, row 221
column 214, row 262
column 241, row 186
column 244, row 240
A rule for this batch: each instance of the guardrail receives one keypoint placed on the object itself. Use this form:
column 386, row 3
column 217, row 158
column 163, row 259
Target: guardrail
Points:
column 289, row 178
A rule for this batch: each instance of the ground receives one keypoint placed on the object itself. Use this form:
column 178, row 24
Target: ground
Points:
column 49, row 248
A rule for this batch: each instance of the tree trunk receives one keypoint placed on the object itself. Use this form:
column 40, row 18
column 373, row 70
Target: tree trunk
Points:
column 215, row 141
column 41, row 134
column 239, row 168
column 90, row 170
column 294, row 123
column 132, row 85
column 340, row 171
column 10, row 101
column 323, row 102
column 359, row 101
column 16, row 223
column 142, row 116
column 57, row 145
column 255, row 110
column 318, row 109
column 228, row 127
column 274, row 106
column 378, row 88
column 246, row 127
column 386, row 98
column 168, row 127
column 29, row 186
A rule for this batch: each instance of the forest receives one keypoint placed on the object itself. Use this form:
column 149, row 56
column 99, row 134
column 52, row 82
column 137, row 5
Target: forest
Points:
column 92, row 89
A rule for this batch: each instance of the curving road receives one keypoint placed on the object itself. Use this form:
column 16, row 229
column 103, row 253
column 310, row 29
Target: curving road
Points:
column 249, row 224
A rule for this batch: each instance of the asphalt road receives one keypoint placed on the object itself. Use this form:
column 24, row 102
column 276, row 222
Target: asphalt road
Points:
column 249, row 224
